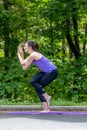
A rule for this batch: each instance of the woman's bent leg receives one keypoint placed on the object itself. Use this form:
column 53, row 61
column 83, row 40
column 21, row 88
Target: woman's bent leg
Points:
column 38, row 88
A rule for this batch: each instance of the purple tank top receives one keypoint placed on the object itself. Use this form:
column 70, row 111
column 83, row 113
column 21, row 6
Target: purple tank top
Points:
column 45, row 65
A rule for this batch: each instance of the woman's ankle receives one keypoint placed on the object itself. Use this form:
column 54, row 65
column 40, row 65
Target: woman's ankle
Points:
column 48, row 98
column 45, row 106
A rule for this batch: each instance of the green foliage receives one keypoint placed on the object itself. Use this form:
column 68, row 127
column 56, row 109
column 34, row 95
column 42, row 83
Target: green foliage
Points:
column 72, row 79
column 70, row 84
column 14, row 83
column 43, row 21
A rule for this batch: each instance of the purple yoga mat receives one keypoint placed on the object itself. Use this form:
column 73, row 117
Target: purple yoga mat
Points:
column 51, row 113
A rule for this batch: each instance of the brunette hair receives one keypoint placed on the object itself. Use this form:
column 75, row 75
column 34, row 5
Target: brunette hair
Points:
column 34, row 45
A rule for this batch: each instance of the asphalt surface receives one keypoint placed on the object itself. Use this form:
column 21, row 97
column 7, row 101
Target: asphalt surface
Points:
column 67, row 118
column 43, row 122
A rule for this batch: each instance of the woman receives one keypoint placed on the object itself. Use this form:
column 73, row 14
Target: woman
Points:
column 48, row 71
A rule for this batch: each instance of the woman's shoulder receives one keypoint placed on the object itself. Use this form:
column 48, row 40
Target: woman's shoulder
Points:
column 36, row 55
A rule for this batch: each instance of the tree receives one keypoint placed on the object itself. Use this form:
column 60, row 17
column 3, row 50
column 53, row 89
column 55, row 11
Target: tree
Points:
column 66, row 18
column 6, row 29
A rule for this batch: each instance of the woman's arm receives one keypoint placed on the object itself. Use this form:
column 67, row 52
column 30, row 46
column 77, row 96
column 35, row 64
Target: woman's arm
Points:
column 20, row 53
column 21, row 59
column 24, row 62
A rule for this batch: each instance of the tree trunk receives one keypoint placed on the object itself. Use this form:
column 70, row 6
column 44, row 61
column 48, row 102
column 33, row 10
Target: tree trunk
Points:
column 76, row 33
column 6, row 31
column 51, row 36
column 70, row 54
column 75, row 27
column 72, row 46
column 84, row 44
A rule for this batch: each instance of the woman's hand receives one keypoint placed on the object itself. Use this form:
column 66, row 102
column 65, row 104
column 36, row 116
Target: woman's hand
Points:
column 20, row 50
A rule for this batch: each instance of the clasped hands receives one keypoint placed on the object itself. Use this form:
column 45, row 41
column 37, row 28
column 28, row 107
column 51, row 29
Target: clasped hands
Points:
column 20, row 50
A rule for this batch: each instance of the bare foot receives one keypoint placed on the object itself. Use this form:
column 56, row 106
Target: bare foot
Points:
column 44, row 111
column 48, row 100
column 45, row 107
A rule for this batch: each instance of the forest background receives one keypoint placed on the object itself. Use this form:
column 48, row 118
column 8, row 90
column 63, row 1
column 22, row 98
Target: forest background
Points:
column 60, row 28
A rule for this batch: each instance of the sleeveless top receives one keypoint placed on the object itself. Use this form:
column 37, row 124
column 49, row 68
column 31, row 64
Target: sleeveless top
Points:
column 45, row 65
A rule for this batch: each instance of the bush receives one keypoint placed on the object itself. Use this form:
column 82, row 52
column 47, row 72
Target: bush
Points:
column 70, row 84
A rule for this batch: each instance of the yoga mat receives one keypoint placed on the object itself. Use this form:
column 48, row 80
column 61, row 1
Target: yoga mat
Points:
column 40, row 113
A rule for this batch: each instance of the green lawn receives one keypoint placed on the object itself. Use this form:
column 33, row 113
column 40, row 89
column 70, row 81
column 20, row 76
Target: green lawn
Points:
column 53, row 103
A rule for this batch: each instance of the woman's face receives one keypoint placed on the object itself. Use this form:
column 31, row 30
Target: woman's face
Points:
column 27, row 49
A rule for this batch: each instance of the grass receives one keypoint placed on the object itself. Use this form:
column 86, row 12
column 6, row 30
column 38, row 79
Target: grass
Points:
column 53, row 103
column 67, row 103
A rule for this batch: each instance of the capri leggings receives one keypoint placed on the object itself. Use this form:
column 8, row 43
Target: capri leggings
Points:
column 41, row 80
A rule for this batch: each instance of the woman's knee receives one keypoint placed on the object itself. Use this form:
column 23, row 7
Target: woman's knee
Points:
column 32, row 82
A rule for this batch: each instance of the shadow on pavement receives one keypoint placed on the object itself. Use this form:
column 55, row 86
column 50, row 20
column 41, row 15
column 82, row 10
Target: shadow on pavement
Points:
column 48, row 117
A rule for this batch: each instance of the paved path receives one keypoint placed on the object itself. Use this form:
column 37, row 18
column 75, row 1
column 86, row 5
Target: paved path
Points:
column 43, row 122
